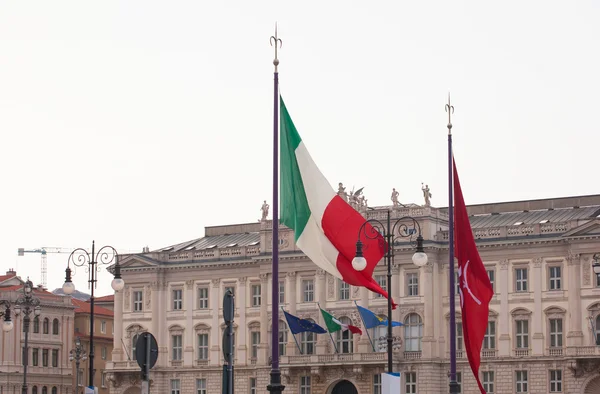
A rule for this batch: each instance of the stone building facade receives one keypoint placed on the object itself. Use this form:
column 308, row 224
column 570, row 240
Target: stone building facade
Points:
column 50, row 338
column 543, row 331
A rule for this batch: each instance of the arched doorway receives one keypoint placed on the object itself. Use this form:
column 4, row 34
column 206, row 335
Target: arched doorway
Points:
column 593, row 386
column 344, row 387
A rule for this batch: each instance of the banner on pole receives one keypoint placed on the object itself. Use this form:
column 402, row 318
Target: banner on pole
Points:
column 390, row 383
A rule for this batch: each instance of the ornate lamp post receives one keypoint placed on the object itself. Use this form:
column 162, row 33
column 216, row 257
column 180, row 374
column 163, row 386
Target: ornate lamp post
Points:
column 26, row 304
column 78, row 354
column 81, row 258
column 400, row 229
column 8, row 324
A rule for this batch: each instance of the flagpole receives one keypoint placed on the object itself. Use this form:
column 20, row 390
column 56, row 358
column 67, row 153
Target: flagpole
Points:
column 365, row 326
column 294, row 335
column 275, row 385
column 330, row 336
column 453, row 383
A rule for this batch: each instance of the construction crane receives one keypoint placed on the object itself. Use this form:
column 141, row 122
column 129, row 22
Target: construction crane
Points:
column 44, row 250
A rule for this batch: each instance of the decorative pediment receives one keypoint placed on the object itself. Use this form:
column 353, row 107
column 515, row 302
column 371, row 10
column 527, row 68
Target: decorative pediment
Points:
column 137, row 261
column 589, row 229
column 14, row 281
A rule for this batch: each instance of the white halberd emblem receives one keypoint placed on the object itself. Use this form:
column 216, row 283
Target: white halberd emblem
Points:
column 464, row 282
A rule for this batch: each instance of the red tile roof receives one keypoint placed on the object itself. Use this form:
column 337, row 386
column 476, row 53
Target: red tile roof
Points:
column 36, row 291
column 108, row 298
column 85, row 307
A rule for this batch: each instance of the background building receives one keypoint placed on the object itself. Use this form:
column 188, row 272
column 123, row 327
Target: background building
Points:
column 103, row 342
column 543, row 331
column 50, row 338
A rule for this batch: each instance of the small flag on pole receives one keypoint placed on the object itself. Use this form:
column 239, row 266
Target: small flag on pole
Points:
column 298, row 325
column 372, row 320
column 334, row 325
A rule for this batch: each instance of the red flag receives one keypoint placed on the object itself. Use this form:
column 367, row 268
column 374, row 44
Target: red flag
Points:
column 475, row 288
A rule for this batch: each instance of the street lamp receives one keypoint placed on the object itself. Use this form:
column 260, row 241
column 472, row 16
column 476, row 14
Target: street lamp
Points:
column 26, row 304
column 81, row 258
column 78, row 354
column 8, row 324
column 390, row 233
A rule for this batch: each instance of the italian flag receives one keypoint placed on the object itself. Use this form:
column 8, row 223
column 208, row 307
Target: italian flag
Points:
column 326, row 227
column 334, row 325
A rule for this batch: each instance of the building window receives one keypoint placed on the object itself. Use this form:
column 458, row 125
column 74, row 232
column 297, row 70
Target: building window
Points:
column 456, row 283
column 459, row 337
column 255, row 341
column 556, row 333
column 282, row 338
column 36, row 325
column 488, row 381
column 413, row 332
column 308, row 341
column 253, row 386
column 80, row 373
column 377, row 383
column 411, row 382
column 521, row 381
column 46, row 326
column 489, row 340
column 281, row 291
column 521, row 279
column 492, row 275
column 201, row 386
column 344, row 338
column 138, row 304
column 522, row 334
column 555, row 278
column 44, row 357
column 35, row 357
column 177, row 341
column 103, row 326
column 344, row 290
column 103, row 379
column 202, row 346
column 55, row 358
column 54, row 390
column 556, row 381
column 103, row 352
column 380, row 336
column 175, row 386
column 412, row 283
column 34, row 390
column 459, row 381
column 202, row 298
column 305, row 385
column 44, row 390
column 256, row 297
column 55, row 327
column 134, row 340
column 308, row 290
column 382, row 282
column 177, row 299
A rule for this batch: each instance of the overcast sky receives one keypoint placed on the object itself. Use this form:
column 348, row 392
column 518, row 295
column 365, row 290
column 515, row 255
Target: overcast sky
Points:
column 140, row 122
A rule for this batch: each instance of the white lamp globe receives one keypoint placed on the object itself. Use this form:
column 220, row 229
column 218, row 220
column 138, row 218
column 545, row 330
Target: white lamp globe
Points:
column 68, row 288
column 7, row 326
column 37, row 310
column 597, row 268
column 359, row 263
column 419, row 259
column 117, row 284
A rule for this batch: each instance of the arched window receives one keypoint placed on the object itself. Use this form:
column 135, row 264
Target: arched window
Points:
column 54, row 390
column 413, row 332
column 344, row 338
column 55, row 327
column 282, row 337
column 308, row 340
column 45, row 389
column 36, row 325
column 379, row 335
column 46, row 327
column 34, row 390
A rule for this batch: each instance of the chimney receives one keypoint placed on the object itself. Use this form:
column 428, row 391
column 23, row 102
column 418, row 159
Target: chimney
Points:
column 145, row 249
column 11, row 272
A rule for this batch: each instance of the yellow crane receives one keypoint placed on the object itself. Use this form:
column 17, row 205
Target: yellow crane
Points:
column 43, row 251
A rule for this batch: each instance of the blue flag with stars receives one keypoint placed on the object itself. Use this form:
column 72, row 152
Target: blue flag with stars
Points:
column 372, row 320
column 298, row 325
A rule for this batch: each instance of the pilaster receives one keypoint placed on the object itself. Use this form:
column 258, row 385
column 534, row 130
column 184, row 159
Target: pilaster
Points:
column 215, row 355
column 240, row 312
column 574, row 335
column 504, row 318
column 537, row 282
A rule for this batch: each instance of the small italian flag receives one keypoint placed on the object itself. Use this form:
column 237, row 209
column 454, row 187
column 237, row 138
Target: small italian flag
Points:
column 334, row 325
column 326, row 227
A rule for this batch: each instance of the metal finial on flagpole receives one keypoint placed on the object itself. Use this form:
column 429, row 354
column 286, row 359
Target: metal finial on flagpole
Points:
column 450, row 110
column 275, row 41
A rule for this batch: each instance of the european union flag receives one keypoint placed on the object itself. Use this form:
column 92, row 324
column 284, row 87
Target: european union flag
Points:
column 372, row 320
column 298, row 325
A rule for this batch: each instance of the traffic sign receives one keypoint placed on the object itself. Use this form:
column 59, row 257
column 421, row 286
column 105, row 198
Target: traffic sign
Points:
column 141, row 350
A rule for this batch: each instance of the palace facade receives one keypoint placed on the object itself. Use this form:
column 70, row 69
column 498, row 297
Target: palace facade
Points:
column 543, row 332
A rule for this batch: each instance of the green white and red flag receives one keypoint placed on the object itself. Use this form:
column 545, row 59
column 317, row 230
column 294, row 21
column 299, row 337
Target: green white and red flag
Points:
column 325, row 226
column 334, row 325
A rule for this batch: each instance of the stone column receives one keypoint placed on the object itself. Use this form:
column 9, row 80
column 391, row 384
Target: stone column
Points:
column 504, row 321
column 117, row 353
column 263, row 348
column 290, row 291
column 190, row 305
column 215, row 332
column 240, row 314
column 428, row 320
column 574, row 335
column 161, row 316
column 537, row 283
column 152, row 305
